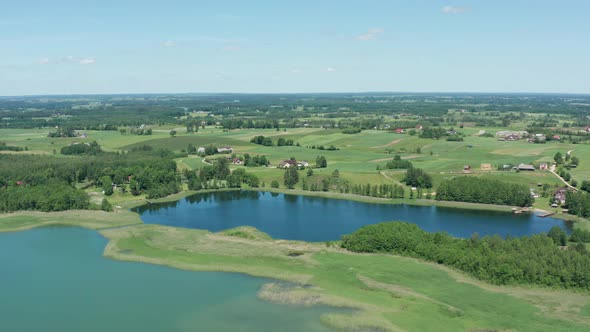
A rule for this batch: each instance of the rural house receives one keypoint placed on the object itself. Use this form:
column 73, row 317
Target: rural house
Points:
column 511, row 135
column 543, row 166
column 486, row 167
column 302, row 164
column 559, row 195
column 287, row 163
column 225, row 149
column 525, row 167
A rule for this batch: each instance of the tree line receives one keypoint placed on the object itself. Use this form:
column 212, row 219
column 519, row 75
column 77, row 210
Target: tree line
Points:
column 484, row 191
column 536, row 259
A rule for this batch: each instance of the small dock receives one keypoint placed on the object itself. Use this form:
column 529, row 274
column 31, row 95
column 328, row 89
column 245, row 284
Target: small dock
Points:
column 547, row 214
column 519, row 211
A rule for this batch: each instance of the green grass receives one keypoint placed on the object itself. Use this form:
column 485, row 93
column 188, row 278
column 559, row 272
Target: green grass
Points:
column 18, row 221
column 389, row 292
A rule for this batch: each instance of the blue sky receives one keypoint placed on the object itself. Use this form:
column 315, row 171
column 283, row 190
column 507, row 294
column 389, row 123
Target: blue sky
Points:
column 71, row 47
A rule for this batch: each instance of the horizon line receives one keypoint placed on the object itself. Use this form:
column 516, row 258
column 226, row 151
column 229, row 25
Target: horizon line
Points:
column 294, row 93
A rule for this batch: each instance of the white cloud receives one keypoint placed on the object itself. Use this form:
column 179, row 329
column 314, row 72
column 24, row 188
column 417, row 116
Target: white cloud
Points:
column 371, row 34
column 87, row 61
column 44, row 61
column 330, row 69
column 295, row 70
column 169, row 43
column 453, row 10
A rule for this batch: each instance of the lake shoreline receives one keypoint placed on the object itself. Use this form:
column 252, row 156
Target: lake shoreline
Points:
column 577, row 221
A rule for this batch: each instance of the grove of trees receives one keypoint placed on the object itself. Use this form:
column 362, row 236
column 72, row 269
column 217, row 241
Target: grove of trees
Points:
column 533, row 259
column 485, row 191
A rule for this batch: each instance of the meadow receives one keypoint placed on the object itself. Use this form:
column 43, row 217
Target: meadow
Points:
column 356, row 159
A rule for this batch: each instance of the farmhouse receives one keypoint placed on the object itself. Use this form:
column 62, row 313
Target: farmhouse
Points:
column 201, row 150
column 556, row 137
column 236, row 161
column 525, row 167
column 543, row 166
column 559, row 195
column 225, row 149
column 287, row 163
column 302, row 164
column 587, row 129
column 506, row 135
column 486, row 167
column 537, row 138
column 467, row 169
column 419, row 127
column 399, row 130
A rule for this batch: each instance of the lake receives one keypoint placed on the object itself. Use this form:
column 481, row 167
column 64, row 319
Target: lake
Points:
column 55, row 279
column 309, row 218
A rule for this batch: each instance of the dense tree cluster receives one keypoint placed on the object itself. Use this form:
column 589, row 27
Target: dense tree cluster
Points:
column 141, row 130
column 527, row 260
column 144, row 170
column 284, row 142
column 261, row 140
column 397, row 163
column 578, row 203
column 63, row 132
column 416, row 177
column 580, row 235
column 321, row 147
column 54, row 195
column 378, row 190
column 485, row 191
column 257, row 160
column 321, row 162
column 291, row 177
column 82, row 148
column 236, row 123
column 433, row 132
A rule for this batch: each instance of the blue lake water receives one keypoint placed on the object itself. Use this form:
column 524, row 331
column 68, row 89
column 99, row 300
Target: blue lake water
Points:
column 322, row 219
column 55, row 279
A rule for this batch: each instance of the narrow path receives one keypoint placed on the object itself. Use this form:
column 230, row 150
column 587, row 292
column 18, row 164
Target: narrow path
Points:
column 552, row 170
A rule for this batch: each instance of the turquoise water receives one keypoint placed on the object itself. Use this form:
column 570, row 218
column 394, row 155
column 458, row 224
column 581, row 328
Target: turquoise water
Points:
column 323, row 219
column 55, row 279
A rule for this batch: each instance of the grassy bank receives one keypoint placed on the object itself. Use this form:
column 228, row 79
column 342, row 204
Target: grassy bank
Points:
column 388, row 292
column 19, row 221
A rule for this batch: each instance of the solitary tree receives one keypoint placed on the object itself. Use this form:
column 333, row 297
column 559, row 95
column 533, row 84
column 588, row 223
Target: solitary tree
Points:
column 291, row 177
column 172, row 133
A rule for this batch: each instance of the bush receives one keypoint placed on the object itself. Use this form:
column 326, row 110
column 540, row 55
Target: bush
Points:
column 106, row 205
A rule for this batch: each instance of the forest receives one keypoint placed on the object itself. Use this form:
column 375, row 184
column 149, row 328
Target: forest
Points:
column 536, row 259
column 48, row 183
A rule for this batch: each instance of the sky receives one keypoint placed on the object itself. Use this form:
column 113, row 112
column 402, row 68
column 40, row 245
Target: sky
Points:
column 100, row 47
